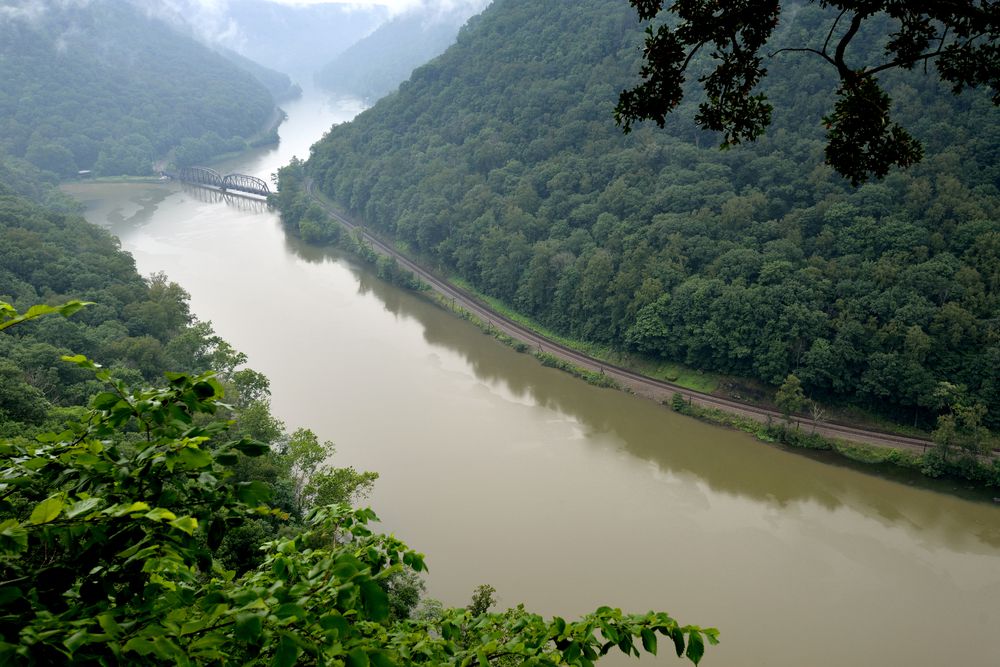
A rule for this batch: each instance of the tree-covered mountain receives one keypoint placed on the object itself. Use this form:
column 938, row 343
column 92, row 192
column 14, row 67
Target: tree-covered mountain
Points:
column 279, row 84
column 375, row 65
column 501, row 161
column 138, row 327
column 104, row 86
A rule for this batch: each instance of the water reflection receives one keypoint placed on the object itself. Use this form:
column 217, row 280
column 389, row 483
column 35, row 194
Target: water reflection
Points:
column 238, row 202
column 729, row 463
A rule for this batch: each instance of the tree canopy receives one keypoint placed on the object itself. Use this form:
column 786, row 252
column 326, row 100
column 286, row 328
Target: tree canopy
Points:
column 959, row 38
column 499, row 160
column 104, row 86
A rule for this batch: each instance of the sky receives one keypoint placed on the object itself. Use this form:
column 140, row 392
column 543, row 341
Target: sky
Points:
column 394, row 5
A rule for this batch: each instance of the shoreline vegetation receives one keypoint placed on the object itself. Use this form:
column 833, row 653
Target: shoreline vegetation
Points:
column 928, row 463
column 302, row 204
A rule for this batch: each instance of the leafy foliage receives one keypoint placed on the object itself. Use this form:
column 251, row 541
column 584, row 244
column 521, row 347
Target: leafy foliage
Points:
column 862, row 140
column 108, row 533
column 138, row 328
column 736, row 31
column 9, row 316
column 483, row 598
column 790, row 397
column 314, row 481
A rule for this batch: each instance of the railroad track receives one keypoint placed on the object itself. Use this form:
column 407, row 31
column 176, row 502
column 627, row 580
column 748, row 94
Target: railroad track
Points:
column 638, row 383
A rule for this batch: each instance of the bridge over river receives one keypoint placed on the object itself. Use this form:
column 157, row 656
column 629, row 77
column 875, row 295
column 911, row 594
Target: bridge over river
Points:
column 235, row 183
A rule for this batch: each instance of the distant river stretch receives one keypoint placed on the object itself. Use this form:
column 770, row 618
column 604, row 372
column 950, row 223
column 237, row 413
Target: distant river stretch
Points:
column 561, row 495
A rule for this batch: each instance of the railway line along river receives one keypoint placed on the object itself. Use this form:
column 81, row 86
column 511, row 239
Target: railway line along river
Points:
column 562, row 495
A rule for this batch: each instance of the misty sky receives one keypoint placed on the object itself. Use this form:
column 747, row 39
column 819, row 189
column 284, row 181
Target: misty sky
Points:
column 394, row 5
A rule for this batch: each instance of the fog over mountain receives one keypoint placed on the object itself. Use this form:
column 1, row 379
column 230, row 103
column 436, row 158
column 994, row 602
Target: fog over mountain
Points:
column 378, row 63
column 296, row 38
column 292, row 38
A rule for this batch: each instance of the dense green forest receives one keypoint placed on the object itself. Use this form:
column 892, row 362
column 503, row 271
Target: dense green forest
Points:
column 500, row 161
column 102, row 86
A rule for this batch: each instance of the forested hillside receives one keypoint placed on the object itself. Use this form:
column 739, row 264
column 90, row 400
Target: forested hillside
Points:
column 376, row 64
column 501, row 161
column 102, row 86
column 139, row 328
column 279, row 84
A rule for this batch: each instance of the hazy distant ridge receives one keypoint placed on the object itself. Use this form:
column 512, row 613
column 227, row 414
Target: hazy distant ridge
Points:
column 376, row 65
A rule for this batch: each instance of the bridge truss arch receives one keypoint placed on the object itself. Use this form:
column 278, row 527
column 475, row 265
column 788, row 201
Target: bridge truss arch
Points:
column 202, row 176
column 244, row 183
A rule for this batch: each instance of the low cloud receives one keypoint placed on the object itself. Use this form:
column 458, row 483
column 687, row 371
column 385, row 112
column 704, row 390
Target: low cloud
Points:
column 208, row 19
column 33, row 10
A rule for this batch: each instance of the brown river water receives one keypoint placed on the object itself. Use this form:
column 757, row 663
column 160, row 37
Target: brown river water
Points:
column 561, row 495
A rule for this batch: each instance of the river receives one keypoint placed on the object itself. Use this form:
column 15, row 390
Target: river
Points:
column 561, row 495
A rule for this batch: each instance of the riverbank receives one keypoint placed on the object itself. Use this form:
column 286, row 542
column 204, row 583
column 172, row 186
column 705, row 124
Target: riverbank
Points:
column 853, row 442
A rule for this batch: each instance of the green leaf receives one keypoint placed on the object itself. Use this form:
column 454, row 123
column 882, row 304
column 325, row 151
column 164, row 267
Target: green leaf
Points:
column 375, row 600
column 140, row 645
column 81, row 361
column 248, row 627
column 193, row 457
column 287, row 653
column 9, row 317
column 76, row 640
column 9, row 594
column 83, row 506
column 160, row 514
column 47, row 510
column 227, row 459
column 696, row 646
column 380, row 659
column 36, row 463
column 253, row 493
column 335, row 622
column 186, row 523
column 252, row 447
column 71, row 307
column 678, row 636
column 120, row 510
column 105, row 400
column 289, row 610
column 109, row 624
column 358, row 658
column 648, row 640
column 204, row 390
column 13, row 537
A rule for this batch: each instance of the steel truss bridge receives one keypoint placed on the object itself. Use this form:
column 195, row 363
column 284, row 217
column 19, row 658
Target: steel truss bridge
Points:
column 207, row 177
